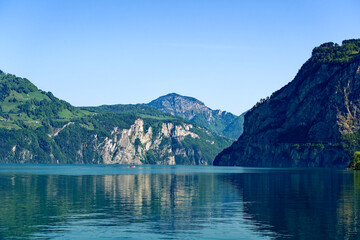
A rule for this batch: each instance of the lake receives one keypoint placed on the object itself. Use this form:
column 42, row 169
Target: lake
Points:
column 177, row 202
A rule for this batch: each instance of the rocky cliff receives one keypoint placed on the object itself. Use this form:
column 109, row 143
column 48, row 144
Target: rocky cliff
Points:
column 194, row 110
column 131, row 146
column 36, row 127
column 311, row 122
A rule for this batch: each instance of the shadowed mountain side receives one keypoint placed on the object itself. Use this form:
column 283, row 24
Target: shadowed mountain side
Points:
column 311, row 122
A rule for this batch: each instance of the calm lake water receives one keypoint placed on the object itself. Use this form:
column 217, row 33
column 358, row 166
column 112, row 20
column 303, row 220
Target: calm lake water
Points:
column 182, row 202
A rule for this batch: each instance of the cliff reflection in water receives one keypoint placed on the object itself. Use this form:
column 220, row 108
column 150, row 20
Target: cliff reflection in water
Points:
column 348, row 211
column 303, row 204
column 38, row 205
column 162, row 198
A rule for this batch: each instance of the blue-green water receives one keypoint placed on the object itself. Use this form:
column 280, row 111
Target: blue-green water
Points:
column 163, row 202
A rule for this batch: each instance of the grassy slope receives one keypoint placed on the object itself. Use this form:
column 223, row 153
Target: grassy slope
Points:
column 29, row 117
column 23, row 105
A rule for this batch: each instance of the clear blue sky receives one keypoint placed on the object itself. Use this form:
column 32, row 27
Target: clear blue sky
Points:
column 226, row 53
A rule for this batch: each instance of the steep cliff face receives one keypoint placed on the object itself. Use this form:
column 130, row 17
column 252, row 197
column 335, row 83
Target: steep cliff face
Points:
column 308, row 122
column 165, row 143
column 194, row 110
column 36, row 127
column 131, row 146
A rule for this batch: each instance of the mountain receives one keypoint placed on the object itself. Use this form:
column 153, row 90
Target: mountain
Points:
column 220, row 122
column 235, row 128
column 311, row 122
column 37, row 127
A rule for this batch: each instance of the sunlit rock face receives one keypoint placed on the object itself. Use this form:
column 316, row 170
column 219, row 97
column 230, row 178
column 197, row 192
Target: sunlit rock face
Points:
column 37, row 127
column 129, row 146
column 308, row 123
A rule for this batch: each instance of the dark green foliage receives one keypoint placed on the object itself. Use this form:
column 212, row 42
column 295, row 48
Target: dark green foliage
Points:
column 355, row 161
column 219, row 123
column 37, row 127
column 151, row 157
column 260, row 102
column 205, row 147
column 336, row 54
column 165, row 141
column 137, row 143
column 223, row 123
column 74, row 142
column 109, row 120
column 28, row 116
column 327, row 53
column 4, row 91
column 23, row 105
column 302, row 147
column 12, row 82
column 134, row 109
column 350, row 142
column 128, row 113
column 25, row 144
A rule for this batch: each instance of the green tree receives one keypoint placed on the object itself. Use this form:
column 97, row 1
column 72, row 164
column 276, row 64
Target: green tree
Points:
column 355, row 161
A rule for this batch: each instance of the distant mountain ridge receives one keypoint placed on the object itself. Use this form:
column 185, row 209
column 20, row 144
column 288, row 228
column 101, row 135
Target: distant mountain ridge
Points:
column 311, row 122
column 220, row 122
column 37, row 127
column 178, row 105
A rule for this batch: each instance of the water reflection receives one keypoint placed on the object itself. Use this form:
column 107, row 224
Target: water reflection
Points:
column 137, row 206
column 303, row 204
column 251, row 204
column 348, row 209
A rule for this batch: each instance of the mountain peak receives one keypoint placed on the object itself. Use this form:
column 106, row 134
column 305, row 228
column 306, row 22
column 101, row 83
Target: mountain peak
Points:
column 192, row 109
column 173, row 96
column 178, row 105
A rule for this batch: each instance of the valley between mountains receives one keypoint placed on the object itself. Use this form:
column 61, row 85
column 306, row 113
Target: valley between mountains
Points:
column 313, row 121
column 37, row 127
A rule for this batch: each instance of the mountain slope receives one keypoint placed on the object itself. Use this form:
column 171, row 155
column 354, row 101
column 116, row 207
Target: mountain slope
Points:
column 194, row 110
column 23, row 105
column 135, row 109
column 311, row 122
column 36, row 127
column 235, row 128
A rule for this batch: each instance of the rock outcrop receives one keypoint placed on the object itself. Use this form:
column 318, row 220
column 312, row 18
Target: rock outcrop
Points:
column 37, row 127
column 311, row 122
column 130, row 146
column 163, row 143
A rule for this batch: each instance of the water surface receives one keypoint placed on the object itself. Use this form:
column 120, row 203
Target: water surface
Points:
column 182, row 202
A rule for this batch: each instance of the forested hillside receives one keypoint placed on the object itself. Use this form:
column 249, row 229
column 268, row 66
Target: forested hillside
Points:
column 37, row 127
